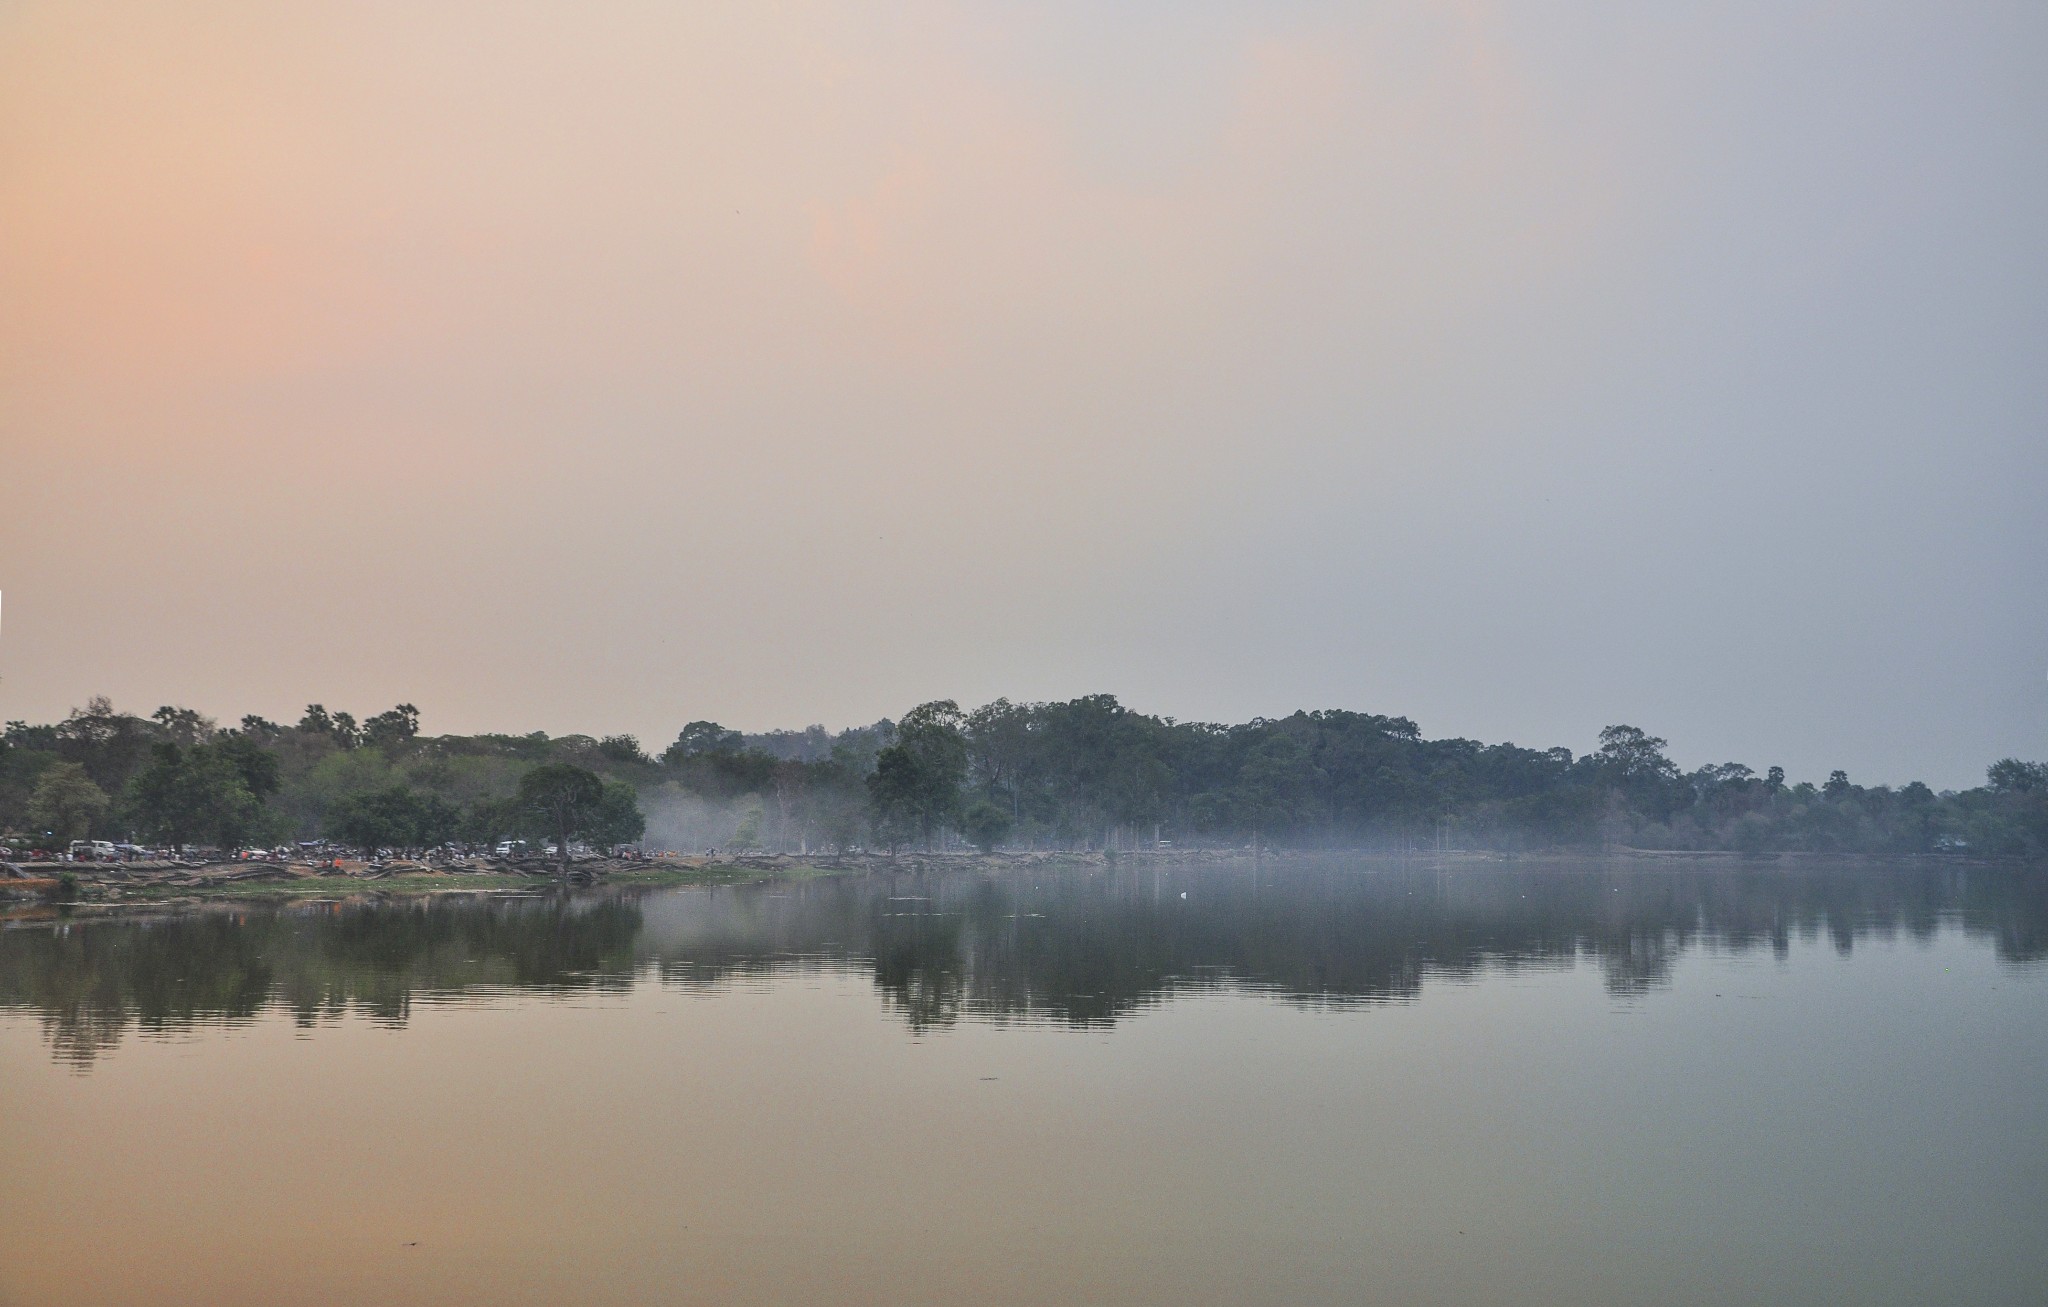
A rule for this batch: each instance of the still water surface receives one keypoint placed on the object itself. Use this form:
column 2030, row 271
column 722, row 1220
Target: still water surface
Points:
column 1367, row 1083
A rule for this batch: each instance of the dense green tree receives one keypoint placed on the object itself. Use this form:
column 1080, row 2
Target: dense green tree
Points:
column 66, row 805
column 895, row 796
column 2011, row 816
column 488, row 820
column 838, row 801
column 618, row 819
column 622, row 748
column 564, row 802
column 23, row 738
column 999, row 752
column 257, row 766
column 1632, row 753
column 185, row 795
column 390, row 818
column 110, row 745
column 339, row 727
column 701, row 738
column 389, row 729
column 26, row 752
column 986, row 825
column 918, row 778
column 183, row 726
column 2011, row 776
column 1276, row 788
column 747, row 836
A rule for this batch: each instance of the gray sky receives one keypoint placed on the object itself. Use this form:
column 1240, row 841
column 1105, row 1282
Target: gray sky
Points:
column 602, row 367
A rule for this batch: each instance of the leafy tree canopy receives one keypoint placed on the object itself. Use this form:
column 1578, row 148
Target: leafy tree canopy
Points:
column 66, row 804
column 701, row 738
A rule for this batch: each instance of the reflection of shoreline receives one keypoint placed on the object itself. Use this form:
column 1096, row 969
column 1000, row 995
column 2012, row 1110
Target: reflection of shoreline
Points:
column 1065, row 944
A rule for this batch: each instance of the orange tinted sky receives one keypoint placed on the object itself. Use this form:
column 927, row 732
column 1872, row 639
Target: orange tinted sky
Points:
column 601, row 367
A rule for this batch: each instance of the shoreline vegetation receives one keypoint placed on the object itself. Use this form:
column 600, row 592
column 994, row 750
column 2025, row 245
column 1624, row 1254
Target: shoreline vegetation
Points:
column 1085, row 778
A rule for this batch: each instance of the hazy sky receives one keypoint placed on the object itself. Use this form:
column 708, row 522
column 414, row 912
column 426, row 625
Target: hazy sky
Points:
column 1518, row 368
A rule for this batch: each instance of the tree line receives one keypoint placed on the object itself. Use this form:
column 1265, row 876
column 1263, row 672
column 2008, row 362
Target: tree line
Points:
column 176, row 778
column 1090, row 772
column 1087, row 773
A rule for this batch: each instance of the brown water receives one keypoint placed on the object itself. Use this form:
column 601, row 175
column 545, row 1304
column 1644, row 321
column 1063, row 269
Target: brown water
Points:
column 1339, row 1084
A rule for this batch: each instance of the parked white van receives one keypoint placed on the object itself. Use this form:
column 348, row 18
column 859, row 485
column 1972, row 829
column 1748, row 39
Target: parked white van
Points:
column 93, row 851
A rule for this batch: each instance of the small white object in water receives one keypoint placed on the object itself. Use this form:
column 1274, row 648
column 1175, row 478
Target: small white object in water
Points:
column 1183, row 893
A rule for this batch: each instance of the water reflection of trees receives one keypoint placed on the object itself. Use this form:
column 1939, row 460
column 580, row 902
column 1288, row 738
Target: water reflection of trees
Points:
column 92, row 982
column 1079, row 947
column 1087, row 947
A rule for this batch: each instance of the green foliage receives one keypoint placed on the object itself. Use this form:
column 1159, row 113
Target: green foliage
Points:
column 333, row 777
column 618, row 819
column 699, row 739
column 986, row 825
column 1087, row 772
column 110, row 745
column 373, row 820
column 2011, row 776
column 748, row 834
column 1275, row 787
column 841, row 810
column 1632, row 754
column 21, row 769
column 566, row 802
column 183, row 726
column 917, row 780
column 622, row 748
column 66, row 804
column 183, row 796
column 257, row 766
column 387, row 730
column 20, row 737
column 1751, row 833
column 395, row 817
column 707, row 759
column 895, row 790
column 339, row 727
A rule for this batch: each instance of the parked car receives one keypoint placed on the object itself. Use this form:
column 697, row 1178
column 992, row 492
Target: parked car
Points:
column 93, row 851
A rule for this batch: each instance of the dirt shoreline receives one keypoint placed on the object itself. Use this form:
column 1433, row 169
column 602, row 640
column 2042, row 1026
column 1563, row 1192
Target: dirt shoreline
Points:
column 163, row 882
column 155, row 882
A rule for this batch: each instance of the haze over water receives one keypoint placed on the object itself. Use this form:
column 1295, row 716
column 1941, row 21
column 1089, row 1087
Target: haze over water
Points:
column 1343, row 1082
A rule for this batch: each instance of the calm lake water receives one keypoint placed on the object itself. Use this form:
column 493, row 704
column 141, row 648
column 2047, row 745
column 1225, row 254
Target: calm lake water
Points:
column 1364, row 1083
